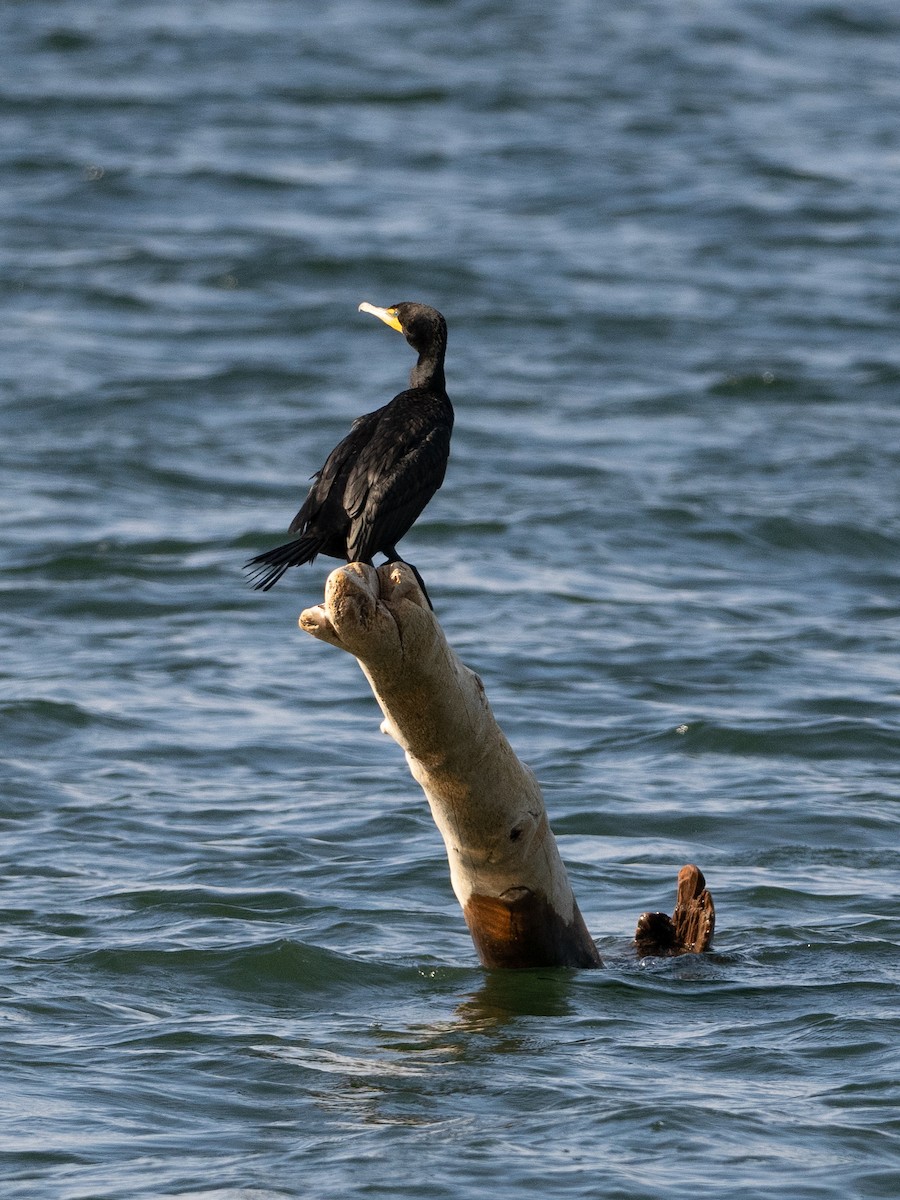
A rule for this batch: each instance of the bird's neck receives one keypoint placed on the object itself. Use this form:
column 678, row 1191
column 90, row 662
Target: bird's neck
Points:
column 429, row 371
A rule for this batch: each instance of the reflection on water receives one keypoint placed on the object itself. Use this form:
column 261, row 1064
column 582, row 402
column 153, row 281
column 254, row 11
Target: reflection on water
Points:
column 505, row 996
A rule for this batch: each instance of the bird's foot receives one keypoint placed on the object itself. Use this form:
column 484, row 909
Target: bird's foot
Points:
column 405, row 587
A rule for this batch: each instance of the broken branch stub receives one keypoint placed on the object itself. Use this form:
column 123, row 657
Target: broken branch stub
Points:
column 690, row 928
column 505, row 865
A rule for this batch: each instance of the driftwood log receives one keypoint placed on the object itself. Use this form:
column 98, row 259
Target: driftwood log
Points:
column 505, row 865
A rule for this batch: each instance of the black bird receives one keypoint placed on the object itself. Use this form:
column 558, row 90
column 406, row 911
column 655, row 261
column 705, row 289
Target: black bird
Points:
column 377, row 481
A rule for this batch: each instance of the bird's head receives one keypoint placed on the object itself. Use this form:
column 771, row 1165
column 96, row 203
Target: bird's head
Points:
column 422, row 326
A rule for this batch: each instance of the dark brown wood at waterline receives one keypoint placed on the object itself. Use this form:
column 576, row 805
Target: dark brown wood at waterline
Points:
column 690, row 928
column 524, row 930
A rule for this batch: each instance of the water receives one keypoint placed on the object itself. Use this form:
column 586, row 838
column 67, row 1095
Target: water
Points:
column 664, row 237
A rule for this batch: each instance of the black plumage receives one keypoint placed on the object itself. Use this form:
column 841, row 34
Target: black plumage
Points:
column 376, row 482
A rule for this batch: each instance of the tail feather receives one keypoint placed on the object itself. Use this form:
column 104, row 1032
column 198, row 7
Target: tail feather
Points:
column 266, row 569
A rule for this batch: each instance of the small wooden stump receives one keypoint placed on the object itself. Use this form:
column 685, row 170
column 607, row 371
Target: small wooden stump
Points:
column 690, row 928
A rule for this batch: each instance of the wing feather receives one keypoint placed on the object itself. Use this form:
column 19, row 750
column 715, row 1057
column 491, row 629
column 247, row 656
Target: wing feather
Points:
column 376, row 482
column 394, row 499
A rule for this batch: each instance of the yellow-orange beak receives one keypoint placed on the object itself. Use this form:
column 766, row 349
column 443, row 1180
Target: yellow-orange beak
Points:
column 388, row 315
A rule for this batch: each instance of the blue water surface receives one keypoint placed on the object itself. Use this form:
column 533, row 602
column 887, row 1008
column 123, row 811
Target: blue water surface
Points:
column 665, row 239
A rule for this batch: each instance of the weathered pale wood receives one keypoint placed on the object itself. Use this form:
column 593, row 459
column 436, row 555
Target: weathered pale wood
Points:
column 505, row 866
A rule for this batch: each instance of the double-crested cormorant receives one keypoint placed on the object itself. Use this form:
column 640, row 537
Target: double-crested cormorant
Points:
column 375, row 483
